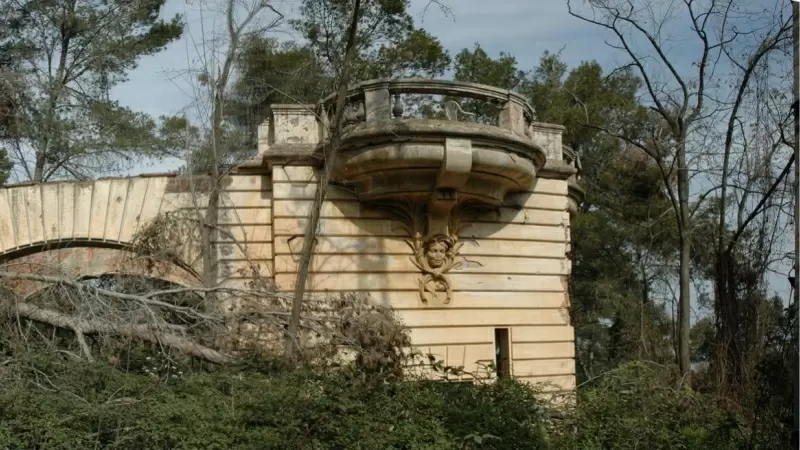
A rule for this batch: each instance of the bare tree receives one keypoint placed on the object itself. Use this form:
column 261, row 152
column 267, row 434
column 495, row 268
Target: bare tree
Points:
column 219, row 147
column 687, row 99
column 330, row 150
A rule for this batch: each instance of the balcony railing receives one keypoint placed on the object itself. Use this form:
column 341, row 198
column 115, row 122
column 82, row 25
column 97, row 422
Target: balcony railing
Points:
column 385, row 100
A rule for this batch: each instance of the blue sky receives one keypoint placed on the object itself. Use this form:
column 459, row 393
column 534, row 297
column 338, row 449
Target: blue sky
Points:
column 524, row 28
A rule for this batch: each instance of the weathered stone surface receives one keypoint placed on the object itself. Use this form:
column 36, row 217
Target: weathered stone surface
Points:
column 505, row 266
column 89, row 262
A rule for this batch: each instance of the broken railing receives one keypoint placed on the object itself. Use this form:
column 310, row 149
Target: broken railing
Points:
column 385, row 100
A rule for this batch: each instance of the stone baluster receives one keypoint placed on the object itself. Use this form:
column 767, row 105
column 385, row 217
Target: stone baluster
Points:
column 324, row 118
column 397, row 109
column 349, row 114
column 360, row 114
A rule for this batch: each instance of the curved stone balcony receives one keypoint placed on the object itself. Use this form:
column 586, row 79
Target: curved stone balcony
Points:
column 389, row 154
column 390, row 151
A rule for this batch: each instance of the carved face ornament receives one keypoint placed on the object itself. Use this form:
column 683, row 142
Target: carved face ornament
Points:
column 433, row 254
column 436, row 254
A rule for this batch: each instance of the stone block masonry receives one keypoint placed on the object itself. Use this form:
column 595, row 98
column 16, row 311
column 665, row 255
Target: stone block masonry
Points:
column 463, row 228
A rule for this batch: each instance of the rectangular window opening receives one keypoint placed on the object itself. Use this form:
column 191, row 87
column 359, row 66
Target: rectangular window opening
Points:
column 502, row 350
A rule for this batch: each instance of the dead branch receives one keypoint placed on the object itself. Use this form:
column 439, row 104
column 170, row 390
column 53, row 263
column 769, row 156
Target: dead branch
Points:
column 335, row 329
column 144, row 332
column 146, row 299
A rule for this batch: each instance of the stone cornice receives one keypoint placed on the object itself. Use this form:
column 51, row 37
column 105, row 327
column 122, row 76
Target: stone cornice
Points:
column 399, row 130
column 285, row 155
column 557, row 170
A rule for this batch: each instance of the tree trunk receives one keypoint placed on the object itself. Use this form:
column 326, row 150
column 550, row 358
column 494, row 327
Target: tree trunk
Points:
column 729, row 359
column 685, row 276
column 330, row 150
column 145, row 332
column 212, row 209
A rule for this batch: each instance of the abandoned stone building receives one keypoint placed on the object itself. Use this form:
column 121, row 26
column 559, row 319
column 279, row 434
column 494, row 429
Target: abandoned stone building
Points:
column 461, row 225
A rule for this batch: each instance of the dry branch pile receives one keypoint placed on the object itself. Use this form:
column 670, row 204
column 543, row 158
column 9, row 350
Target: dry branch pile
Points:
column 218, row 325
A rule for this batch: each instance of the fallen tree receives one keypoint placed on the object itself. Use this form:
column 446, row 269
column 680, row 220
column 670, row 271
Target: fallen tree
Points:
column 254, row 321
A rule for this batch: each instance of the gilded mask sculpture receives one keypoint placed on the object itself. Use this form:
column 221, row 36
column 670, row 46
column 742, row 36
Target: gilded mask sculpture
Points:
column 434, row 257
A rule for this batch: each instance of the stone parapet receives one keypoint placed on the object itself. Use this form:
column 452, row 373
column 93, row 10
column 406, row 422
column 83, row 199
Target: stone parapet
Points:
column 288, row 125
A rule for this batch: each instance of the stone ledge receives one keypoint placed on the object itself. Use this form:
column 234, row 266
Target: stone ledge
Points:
column 557, row 170
column 369, row 133
column 283, row 154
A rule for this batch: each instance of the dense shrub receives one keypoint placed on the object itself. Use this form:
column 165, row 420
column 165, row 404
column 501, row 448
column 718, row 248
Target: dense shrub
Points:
column 50, row 404
column 140, row 395
column 641, row 405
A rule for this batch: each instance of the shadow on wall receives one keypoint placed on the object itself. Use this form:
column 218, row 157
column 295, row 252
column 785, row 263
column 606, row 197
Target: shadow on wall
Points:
column 352, row 250
column 77, row 262
column 363, row 249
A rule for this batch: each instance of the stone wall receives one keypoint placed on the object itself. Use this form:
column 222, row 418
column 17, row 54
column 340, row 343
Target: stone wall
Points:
column 513, row 273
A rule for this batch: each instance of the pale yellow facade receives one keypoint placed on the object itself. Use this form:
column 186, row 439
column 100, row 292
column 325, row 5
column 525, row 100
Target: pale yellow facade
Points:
column 510, row 270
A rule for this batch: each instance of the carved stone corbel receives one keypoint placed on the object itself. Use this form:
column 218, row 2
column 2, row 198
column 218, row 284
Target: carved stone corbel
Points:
column 435, row 255
column 453, row 175
column 434, row 251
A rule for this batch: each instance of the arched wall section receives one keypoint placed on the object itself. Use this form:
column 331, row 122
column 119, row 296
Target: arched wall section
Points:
column 76, row 262
column 102, row 210
column 109, row 213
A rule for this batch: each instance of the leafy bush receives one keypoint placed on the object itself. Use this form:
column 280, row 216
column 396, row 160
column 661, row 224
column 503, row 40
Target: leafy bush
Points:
column 139, row 395
column 640, row 406
column 52, row 404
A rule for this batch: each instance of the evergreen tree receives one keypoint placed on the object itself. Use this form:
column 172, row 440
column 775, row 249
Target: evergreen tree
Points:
column 70, row 54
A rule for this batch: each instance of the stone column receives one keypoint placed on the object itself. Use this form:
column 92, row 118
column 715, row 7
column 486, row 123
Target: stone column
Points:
column 377, row 102
column 548, row 136
column 512, row 116
column 293, row 124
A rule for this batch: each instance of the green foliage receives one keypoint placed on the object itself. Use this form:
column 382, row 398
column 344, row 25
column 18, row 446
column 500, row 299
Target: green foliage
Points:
column 9, row 27
column 136, row 396
column 476, row 66
column 49, row 403
column 388, row 45
column 270, row 72
column 71, row 54
column 639, row 405
column 624, row 233
column 5, row 166
column 387, row 42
